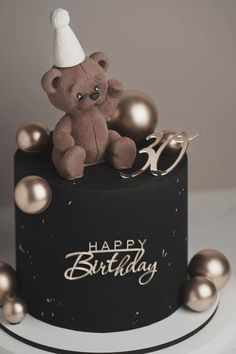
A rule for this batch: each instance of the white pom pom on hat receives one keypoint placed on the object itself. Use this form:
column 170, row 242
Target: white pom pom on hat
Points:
column 60, row 18
column 67, row 49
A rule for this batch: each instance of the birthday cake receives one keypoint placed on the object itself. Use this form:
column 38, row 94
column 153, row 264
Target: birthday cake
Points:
column 107, row 254
column 101, row 230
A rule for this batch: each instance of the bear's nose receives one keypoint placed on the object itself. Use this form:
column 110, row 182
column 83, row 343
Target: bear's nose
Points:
column 94, row 96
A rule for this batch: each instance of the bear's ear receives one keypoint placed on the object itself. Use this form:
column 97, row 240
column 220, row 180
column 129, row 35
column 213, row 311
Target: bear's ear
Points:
column 101, row 59
column 50, row 80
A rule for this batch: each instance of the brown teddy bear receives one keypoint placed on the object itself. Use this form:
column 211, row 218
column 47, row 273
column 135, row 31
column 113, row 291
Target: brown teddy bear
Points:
column 81, row 137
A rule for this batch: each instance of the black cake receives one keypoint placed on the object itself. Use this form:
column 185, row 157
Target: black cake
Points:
column 108, row 254
column 105, row 253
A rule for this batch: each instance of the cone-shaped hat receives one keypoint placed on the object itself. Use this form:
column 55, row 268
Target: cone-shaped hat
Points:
column 67, row 49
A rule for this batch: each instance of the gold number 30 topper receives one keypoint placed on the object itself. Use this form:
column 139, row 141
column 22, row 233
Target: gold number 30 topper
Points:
column 182, row 139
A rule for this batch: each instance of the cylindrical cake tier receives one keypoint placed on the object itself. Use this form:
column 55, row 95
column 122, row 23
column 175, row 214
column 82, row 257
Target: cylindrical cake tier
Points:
column 109, row 254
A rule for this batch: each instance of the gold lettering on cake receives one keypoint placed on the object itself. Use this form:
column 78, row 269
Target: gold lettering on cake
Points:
column 153, row 156
column 130, row 243
column 93, row 247
column 117, row 244
column 105, row 246
column 121, row 261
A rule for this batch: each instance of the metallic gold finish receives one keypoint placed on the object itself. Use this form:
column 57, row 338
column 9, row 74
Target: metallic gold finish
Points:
column 135, row 116
column 33, row 137
column 211, row 264
column 14, row 310
column 180, row 139
column 199, row 294
column 174, row 144
column 120, row 261
column 33, row 194
column 8, row 282
column 166, row 135
column 151, row 162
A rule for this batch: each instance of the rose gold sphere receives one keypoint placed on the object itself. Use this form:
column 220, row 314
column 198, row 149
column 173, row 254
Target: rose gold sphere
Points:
column 199, row 294
column 8, row 282
column 33, row 194
column 135, row 116
column 33, row 137
column 211, row 264
column 14, row 310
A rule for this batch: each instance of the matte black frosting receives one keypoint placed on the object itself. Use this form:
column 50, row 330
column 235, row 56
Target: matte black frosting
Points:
column 100, row 207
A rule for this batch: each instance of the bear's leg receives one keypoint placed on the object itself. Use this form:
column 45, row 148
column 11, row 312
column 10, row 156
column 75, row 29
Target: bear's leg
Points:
column 70, row 164
column 121, row 151
column 112, row 136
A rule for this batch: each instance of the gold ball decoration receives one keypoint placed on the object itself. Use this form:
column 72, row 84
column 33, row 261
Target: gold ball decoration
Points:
column 8, row 282
column 135, row 116
column 199, row 294
column 33, row 194
column 33, row 137
column 211, row 264
column 14, row 310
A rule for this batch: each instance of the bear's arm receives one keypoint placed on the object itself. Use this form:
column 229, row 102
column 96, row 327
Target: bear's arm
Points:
column 114, row 93
column 62, row 138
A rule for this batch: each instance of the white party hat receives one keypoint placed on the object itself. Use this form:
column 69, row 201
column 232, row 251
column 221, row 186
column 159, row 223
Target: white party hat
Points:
column 67, row 49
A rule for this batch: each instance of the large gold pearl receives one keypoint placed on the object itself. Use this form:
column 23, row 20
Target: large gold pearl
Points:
column 199, row 294
column 135, row 116
column 8, row 282
column 14, row 310
column 211, row 264
column 33, row 194
column 33, row 137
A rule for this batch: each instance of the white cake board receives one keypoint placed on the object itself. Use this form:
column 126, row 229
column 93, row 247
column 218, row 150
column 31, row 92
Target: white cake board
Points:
column 170, row 331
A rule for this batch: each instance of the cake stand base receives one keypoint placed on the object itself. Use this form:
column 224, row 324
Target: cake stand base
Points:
column 168, row 332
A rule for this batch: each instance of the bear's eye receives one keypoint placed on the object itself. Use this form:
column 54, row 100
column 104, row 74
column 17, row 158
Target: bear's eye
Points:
column 79, row 96
column 97, row 88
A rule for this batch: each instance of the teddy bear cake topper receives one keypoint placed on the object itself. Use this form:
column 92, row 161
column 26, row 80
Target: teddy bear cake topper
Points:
column 102, row 121
column 77, row 85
